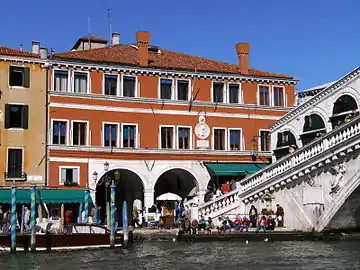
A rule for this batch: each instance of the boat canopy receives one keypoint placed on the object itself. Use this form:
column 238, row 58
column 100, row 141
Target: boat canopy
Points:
column 45, row 196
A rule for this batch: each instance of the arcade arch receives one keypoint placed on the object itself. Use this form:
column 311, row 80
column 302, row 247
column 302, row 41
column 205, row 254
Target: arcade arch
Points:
column 314, row 127
column 344, row 109
column 285, row 139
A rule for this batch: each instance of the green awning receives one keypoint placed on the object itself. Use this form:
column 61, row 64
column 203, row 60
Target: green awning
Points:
column 45, row 196
column 234, row 169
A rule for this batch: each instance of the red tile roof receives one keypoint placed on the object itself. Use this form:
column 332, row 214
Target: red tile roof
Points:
column 15, row 52
column 128, row 55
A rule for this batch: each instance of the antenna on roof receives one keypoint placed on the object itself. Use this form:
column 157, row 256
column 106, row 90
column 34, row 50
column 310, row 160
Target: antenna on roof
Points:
column 110, row 26
column 89, row 31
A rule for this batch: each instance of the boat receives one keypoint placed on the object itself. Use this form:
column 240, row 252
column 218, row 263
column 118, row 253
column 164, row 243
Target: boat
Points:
column 79, row 236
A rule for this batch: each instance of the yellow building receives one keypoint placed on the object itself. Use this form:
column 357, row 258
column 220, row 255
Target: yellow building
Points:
column 23, row 116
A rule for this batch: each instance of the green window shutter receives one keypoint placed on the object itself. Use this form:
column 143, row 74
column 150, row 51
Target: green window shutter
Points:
column 26, row 77
column 7, row 116
column 11, row 68
column 25, row 117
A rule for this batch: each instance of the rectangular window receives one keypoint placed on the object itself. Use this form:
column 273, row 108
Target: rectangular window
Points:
column 79, row 133
column 182, row 90
column 235, row 139
column 218, row 92
column 19, row 76
column 167, row 136
column 61, row 78
column 219, row 139
column 129, row 86
column 16, row 116
column 184, row 138
column 234, row 91
column 264, row 95
column 264, row 140
column 110, row 135
column 279, row 96
column 69, row 176
column 165, row 88
column 15, row 163
column 80, row 82
column 59, row 130
column 129, row 136
column 110, row 84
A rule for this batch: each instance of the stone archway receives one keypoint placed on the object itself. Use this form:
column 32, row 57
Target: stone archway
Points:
column 314, row 127
column 285, row 139
column 345, row 107
column 129, row 188
column 178, row 181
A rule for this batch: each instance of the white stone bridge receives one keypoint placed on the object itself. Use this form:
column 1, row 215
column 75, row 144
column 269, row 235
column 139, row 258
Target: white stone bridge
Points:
column 319, row 184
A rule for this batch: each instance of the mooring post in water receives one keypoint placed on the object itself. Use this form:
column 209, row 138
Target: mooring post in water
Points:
column 22, row 219
column 86, row 207
column 80, row 213
column 112, row 215
column 32, row 217
column 13, row 218
column 125, row 225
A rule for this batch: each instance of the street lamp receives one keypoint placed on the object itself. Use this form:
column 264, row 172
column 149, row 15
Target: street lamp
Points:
column 106, row 166
column 95, row 176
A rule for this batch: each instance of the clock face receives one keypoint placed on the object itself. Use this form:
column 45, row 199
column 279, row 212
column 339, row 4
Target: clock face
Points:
column 202, row 131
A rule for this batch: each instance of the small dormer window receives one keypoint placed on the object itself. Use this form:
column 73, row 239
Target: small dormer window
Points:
column 154, row 49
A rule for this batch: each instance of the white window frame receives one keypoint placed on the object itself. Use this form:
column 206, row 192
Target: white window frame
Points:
column 190, row 137
column 240, row 97
column 7, row 157
column 117, row 83
column 241, row 138
column 53, row 79
column 8, row 79
column 174, row 136
column 136, row 134
column 258, row 94
column 67, row 140
column 272, row 95
column 103, row 134
column 259, row 139
column 176, row 90
column 213, row 139
column 224, row 91
column 172, row 88
column 121, row 92
column 87, row 131
column 88, row 91
column 69, row 167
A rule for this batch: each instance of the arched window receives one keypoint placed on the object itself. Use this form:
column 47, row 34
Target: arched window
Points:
column 284, row 141
column 314, row 127
column 345, row 108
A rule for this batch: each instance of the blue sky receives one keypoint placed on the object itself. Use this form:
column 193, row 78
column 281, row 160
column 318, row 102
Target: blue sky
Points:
column 314, row 41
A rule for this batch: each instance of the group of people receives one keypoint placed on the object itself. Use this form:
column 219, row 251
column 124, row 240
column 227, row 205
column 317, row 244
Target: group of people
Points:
column 221, row 224
column 5, row 217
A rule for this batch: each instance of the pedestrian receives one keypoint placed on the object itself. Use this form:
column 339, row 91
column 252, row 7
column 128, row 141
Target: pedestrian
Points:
column 253, row 216
column 280, row 215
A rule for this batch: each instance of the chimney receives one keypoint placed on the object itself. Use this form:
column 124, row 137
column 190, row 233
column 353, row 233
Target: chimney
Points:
column 35, row 47
column 43, row 53
column 142, row 42
column 115, row 39
column 242, row 51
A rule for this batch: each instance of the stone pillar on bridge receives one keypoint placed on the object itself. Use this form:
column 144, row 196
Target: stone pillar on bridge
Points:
column 148, row 198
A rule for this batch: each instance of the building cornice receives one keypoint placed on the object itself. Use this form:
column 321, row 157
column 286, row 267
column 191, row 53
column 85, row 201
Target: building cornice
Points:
column 168, row 102
column 156, row 151
column 167, row 72
column 23, row 60
column 336, row 86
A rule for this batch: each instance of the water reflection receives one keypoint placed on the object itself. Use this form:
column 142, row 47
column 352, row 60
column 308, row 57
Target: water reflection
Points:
column 214, row 255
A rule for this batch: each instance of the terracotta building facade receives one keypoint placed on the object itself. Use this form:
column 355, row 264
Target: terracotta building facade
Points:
column 157, row 121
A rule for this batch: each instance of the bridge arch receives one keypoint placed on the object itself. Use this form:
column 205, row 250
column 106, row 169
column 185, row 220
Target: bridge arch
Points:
column 314, row 127
column 344, row 108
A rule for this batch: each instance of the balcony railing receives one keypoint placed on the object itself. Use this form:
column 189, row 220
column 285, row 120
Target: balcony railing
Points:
column 15, row 176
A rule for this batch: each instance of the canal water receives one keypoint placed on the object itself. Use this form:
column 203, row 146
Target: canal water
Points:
column 214, row 255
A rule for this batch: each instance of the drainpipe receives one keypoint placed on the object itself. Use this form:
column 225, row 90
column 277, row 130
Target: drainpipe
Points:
column 46, row 123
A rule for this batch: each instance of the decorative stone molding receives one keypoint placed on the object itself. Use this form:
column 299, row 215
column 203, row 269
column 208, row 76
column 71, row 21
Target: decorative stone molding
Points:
column 337, row 182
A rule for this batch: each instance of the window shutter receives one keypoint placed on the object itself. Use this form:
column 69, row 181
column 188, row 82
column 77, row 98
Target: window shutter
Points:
column 25, row 117
column 11, row 75
column 63, row 176
column 26, row 77
column 7, row 116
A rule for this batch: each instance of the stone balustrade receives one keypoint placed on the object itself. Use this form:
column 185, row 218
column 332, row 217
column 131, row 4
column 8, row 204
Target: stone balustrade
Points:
column 287, row 169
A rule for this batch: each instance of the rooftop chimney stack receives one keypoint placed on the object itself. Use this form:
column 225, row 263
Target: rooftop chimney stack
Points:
column 242, row 51
column 36, row 47
column 115, row 39
column 43, row 53
column 142, row 42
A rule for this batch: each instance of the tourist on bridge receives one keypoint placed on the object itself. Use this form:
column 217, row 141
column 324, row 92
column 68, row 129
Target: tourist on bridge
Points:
column 253, row 214
column 280, row 215
column 263, row 223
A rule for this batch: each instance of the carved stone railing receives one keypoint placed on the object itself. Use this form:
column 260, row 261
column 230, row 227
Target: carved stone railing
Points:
column 299, row 159
column 275, row 173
